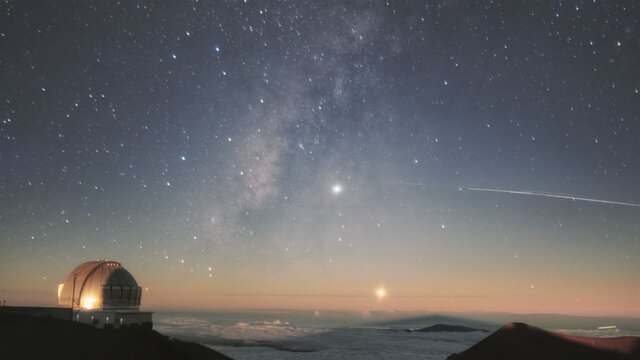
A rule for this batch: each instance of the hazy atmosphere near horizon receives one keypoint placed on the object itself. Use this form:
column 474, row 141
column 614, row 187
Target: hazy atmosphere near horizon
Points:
column 397, row 156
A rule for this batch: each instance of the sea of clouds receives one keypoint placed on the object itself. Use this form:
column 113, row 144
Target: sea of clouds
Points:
column 281, row 334
column 278, row 339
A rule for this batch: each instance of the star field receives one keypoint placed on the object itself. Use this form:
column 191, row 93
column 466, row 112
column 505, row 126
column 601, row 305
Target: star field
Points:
column 306, row 154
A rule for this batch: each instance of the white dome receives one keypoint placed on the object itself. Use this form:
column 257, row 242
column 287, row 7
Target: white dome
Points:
column 97, row 285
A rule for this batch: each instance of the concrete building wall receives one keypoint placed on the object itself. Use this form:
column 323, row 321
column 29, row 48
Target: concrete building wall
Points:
column 133, row 318
column 113, row 319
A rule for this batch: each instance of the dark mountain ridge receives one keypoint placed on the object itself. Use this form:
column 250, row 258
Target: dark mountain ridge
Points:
column 29, row 337
column 449, row 328
column 524, row 342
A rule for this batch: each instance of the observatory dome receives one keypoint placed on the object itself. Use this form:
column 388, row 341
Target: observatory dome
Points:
column 100, row 285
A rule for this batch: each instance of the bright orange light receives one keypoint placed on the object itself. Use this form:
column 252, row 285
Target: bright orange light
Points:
column 88, row 303
column 381, row 293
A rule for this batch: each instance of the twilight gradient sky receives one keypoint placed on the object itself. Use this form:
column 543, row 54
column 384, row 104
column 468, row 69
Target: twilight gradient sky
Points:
column 200, row 143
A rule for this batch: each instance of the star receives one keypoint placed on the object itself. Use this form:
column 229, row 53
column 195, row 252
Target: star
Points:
column 336, row 189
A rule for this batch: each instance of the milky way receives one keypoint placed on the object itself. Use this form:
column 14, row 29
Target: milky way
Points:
column 254, row 154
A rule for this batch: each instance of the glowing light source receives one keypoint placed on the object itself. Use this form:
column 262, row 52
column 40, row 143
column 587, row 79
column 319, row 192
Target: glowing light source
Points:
column 89, row 303
column 381, row 293
column 608, row 327
column 336, row 189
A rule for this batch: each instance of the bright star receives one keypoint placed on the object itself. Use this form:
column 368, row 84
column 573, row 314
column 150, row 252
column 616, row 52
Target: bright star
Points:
column 336, row 189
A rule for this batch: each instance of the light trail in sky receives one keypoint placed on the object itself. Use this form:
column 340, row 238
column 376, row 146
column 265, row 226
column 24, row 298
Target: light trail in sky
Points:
column 401, row 183
column 557, row 196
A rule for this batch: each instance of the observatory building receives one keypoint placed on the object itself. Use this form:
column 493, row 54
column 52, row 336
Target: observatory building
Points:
column 104, row 294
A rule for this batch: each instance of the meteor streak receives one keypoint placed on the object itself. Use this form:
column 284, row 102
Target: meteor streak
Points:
column 557, row 196
column 400, row 183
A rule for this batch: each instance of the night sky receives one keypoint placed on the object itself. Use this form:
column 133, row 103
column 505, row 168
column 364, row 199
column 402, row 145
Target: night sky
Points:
column 303, row 154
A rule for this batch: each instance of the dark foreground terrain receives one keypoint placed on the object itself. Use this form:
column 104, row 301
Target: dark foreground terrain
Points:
column 25, row 337
column 524, row 342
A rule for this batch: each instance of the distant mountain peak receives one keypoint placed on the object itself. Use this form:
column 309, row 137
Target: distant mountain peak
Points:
column 449, row 328
column 525, row 342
